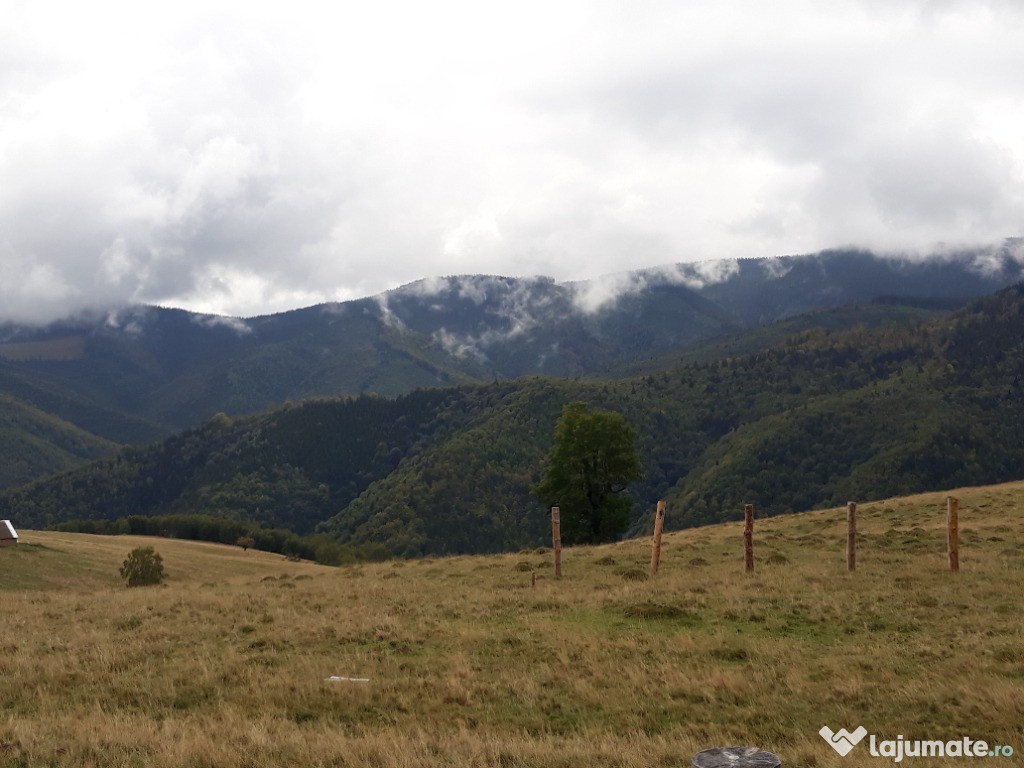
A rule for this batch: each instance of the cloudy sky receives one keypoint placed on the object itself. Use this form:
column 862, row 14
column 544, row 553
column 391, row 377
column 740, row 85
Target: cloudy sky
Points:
column 244, row 158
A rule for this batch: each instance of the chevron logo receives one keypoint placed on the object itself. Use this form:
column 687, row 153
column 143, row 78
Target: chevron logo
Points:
column 842, row 741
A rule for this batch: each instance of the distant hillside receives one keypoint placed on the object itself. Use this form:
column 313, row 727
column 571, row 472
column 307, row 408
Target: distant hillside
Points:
column 801, row 421
column 175, row 368
column 34, row 443
column 75, row 563
column 135, row 375
column 760, row 291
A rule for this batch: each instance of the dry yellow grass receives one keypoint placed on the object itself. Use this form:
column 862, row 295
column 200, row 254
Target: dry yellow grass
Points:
column 468, row 665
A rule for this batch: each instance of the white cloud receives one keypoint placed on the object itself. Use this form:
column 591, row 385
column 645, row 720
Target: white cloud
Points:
column 244, row 158
column 239, row 326
column 387, row 316
column 593, row 296
column 776, row 267
column 515, row 308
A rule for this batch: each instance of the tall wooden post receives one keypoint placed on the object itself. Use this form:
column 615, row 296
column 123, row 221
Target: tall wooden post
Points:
column 748, row 536
column 953, row 526
column 659, row 523
column 556, row 541
column 851, row 536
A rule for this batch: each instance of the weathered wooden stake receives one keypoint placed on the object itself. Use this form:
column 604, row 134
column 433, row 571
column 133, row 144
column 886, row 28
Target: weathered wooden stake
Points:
column 556, row 541
column 748, row 536
column 953, row 524
column 851, row 536
column 659, row 522
column 533, row 578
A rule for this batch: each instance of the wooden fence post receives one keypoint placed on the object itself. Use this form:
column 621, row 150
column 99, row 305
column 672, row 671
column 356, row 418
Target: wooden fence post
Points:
column 659, row 523
column 556, row 541
column 748, row 536
column 851, row 536
column 953, row 532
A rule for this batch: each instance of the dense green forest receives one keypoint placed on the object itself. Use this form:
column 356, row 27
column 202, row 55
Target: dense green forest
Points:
column 816, row 417
column 34, row 443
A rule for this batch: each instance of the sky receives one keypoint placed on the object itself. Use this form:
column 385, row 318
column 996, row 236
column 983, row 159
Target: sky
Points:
column 246, row 158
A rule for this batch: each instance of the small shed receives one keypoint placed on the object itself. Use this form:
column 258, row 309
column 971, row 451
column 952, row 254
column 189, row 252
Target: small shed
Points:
column 8, row 536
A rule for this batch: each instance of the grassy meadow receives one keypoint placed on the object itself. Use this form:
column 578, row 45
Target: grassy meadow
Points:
column 467, row 663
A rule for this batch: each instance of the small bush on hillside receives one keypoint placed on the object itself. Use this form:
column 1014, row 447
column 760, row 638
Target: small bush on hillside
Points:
column 143, row 567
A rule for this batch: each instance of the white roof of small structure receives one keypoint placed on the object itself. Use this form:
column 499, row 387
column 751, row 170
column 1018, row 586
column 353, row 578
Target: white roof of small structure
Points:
column 7, row 530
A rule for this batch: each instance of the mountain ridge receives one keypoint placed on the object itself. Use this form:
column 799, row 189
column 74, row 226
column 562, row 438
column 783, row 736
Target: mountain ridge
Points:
column 811, row 419
column 139, row 374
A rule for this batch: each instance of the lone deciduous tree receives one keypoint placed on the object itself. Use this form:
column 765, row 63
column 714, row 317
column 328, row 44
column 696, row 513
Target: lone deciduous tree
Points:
column 143, row 567
column 592, row 460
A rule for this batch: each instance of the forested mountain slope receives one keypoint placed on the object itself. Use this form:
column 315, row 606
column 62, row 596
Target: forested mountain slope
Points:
column 34, row 443
column 133, row 374
column 818, row 418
